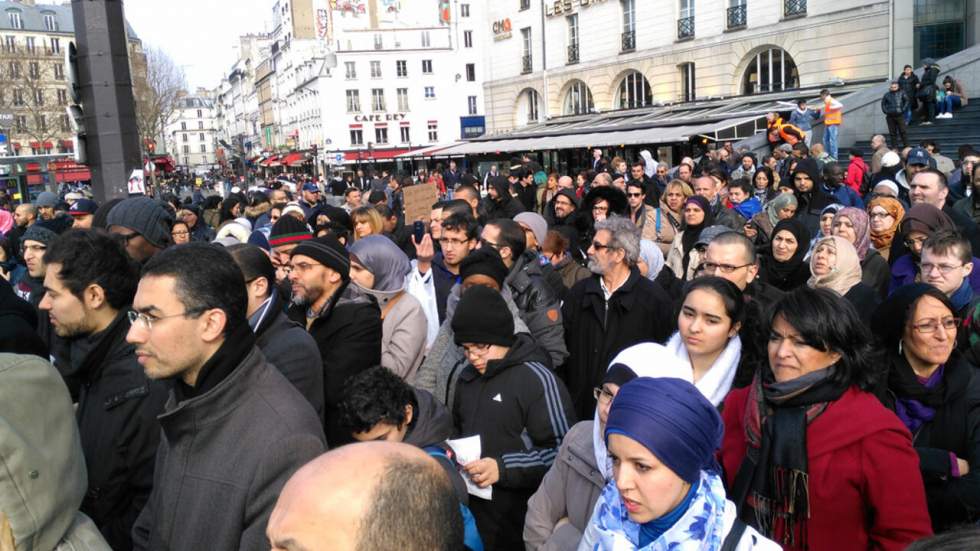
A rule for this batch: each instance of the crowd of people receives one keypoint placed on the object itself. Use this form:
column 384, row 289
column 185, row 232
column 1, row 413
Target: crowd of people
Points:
column 735, row 352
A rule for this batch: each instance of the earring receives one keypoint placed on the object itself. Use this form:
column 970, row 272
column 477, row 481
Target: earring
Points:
column 899, row 348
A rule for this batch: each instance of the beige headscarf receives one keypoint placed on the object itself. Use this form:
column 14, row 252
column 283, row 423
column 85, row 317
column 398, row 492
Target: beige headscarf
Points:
column 845, row 275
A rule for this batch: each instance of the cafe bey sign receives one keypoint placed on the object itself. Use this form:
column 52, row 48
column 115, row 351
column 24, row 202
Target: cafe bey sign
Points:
column 385, row 117
column 567, row 7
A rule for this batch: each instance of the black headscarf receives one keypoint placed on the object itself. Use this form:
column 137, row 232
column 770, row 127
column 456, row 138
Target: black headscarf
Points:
column 794, row 272
column 691, row 233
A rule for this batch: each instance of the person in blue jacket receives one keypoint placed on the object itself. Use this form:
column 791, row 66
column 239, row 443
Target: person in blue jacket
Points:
column 802, row 117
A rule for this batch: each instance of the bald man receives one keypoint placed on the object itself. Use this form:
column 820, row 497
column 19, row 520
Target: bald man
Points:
column 368, row 496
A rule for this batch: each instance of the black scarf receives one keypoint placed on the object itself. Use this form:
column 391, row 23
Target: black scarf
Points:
column 239, row 341
column 905, row 384
column 773, row 480
column 794, row 272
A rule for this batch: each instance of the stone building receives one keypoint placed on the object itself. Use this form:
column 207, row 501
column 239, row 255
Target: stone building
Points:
column 191, row 132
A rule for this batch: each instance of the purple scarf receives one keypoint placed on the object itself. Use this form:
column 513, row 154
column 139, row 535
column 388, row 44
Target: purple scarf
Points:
column 914, row 413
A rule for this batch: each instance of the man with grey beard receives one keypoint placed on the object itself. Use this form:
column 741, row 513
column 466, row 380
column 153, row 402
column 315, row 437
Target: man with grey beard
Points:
column 610, row 311
column 345, row 323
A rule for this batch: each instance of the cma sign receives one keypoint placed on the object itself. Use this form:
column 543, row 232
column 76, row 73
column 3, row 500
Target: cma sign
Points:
column 565, row 7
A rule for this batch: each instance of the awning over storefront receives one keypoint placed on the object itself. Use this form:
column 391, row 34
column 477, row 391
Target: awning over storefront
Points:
column 164, row 163
column 374, row 154
column 294, row 159
column 270, row 161
column 429, row 151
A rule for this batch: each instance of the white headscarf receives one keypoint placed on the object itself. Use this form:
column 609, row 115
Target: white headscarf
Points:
column 653, row 256
column 650, row 165
column 718, row 380
column 645, row 360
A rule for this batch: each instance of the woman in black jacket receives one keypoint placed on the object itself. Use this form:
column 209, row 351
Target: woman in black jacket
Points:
column 783, row 263
column 936, row 394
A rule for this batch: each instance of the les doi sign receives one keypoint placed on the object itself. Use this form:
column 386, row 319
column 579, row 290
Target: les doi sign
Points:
column 566, row 7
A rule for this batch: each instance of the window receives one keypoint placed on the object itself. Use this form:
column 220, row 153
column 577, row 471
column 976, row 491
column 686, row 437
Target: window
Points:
column 30, row 44
column 527, row 64
column 572, row 21
column 14, row 70
column 634, row 91
column 685, row 24
column 200, row 114
column 42, row 122
column 629, row 25
column 426, row 39
column 464, row 10
column 687, row 82
column 381, row 134
column 2, row 98
column 62, row 96
column 34, row 70
column 200, row 125
column 65, row 125
column 187, row 150
column 402, row 99
column 430, row 92
column 59, row 71
column 20, row 122
column 353, row 101
column 406, row 134
column 467, row 39
column 798, row 7
column 770, row 70
column 378, row 99
column 433, row 131
column 185, row 137
column 471, row 103
column 578, row 99
column 525, row 5
column 18, row 97
column 737, row 14
column 939, row 27
column 39, row 97
column 9, row 44
column 375, row 69
column 356, row 137
column 426, row 66
column 183, row 126
column 471, row 72
column 204, row 148
column 14, row 18
column 55, row 45
column 50, row 23
column 351, row 70
column 527, row 107
column 200, row 137
column 378, row 41
column 401, row 68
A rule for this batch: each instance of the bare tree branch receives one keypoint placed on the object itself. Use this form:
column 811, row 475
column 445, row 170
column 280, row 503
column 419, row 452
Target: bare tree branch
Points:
column 157, row 97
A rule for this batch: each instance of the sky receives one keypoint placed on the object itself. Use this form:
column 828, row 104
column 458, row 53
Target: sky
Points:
column 201, row 36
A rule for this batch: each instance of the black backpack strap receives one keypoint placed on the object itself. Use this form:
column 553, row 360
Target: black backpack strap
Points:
column 734, row 536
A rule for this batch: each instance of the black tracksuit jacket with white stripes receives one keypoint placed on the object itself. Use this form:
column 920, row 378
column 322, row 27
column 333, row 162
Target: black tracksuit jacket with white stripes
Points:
column 521, row 411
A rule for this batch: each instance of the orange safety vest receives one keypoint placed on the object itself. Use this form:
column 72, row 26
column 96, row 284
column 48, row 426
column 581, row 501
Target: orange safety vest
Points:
column 832, row 115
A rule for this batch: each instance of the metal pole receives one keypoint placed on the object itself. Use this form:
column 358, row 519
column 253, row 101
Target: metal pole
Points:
column 106, row 88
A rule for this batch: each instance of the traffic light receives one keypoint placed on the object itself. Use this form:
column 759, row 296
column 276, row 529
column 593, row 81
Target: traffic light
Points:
column 75, row 114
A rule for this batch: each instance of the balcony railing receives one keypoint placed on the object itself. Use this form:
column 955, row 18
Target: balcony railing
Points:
column 526, row 64
column 794, row 7
column 737, row 16
column 685, row 28
column 629, row 41
column 572, row 53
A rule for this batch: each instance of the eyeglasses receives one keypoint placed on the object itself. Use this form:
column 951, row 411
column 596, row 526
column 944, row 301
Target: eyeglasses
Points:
column 600, row 209
column 448, row 241
column 176, row 233
column 127, row 237
column 599, row 246
column 476, row 350
column 301, row 267
column 913, row 242
column 927, row 327
column 879, row 215
column 486, row 243
column 634, row 195
column 33, row 248
column 602, row 395
column 724, row 268
column 945, row 269
column 147, row 321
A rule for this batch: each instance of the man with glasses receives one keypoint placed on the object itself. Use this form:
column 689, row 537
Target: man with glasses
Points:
column 286, row 234
column 143, row 225
column 345, row 323
column 651, row 192
column 234, row 429
column 946, row 264
column 33, row 244
column 89, row 284
column 610, row 311
column 436, row 273
column 644, row 216
column 514, row 404
column 565, row 205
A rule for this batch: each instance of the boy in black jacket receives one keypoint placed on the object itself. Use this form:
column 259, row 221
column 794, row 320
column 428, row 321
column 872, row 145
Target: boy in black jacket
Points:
column 505, row 395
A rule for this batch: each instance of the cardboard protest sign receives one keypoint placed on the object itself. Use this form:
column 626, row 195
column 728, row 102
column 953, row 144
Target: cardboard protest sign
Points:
column 418, row 202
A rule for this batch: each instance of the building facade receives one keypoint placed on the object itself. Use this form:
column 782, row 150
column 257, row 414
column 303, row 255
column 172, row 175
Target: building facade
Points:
column 238, row 125
column 192, row 134
column 571, row 57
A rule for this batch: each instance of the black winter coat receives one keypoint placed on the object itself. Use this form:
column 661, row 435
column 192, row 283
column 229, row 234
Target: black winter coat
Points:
column 515, row 398
column 876, row 273
column 639, row 311
column 909, row 85
column 894, row 103
column 117, row 410
column 539, row 304
column 17, row 322
column 955, row 428
column 348, row 334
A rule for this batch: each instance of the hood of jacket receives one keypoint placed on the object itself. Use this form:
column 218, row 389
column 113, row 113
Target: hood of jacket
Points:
column 43, row 479
column 502, row 186
column 431, row 421
column 524, row 350
column 809, row 167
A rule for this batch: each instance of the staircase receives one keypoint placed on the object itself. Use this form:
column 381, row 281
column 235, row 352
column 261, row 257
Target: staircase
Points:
column 949, row 134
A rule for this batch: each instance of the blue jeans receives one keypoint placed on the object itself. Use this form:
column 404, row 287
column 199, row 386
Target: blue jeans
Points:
column 948, row 103
column 830, row 139
column 908, row 116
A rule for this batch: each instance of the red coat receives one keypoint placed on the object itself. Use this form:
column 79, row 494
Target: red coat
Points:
column 855, row 174
column 866, row 491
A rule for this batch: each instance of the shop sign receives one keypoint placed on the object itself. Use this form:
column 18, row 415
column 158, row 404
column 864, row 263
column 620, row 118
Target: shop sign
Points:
column 380, row 118
column 567, row 7
column 501, row 29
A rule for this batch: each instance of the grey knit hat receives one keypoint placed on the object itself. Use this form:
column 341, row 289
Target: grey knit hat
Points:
column 38, row 232
column 145, row 217
column 46, row 199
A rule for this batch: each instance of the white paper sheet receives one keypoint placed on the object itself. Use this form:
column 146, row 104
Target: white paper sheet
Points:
column 466, row 450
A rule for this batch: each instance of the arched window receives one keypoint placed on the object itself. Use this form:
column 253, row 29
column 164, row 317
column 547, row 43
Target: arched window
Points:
column 634, row 91
column 528, row 107
column 770, row 70
column 578, row 99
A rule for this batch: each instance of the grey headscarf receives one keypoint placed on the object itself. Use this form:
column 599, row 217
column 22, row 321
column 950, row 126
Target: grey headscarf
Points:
column 384, row 260
column 653, row 256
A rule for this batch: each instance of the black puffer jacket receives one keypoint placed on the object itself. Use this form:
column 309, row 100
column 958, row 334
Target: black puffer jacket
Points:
column 505, row 206
column 539, row 304
column 894, row 103
column 117, row 410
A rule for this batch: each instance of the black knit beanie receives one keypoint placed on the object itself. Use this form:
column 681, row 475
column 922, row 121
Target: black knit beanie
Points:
column 482, row 317
column 485, row 261
column 288, row 230
column 327, row 251
column 144, row 216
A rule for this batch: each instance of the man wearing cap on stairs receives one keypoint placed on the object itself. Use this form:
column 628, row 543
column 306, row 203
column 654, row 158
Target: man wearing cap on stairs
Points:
column 83, row 212
column 345, row 323
column 144, row 226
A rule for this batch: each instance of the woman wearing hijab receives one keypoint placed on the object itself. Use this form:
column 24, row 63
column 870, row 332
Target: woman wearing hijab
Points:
column 885, row 214
column 379, row 268
column 682, row 258
column 651, row 260
column 798, row 440
column 936, row 394
column 852, row 224
column 707, row 338
column 582, row 468
column 835, row 266
column 760, row 226
column 667, row 492
column 921, row 221
column 783, row 264
column 649, row 165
